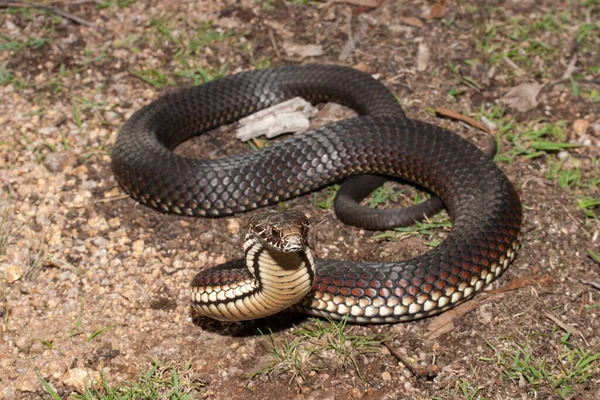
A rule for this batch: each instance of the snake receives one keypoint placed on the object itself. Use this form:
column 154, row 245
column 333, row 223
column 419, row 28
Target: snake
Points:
column 482, row 203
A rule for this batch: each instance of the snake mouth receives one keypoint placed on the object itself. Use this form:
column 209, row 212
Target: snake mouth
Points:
column 288, row 243
column 292, row 244
column 285, row 232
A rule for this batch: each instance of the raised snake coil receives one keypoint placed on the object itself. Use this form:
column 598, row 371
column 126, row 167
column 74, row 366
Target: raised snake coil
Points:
column 482, row 203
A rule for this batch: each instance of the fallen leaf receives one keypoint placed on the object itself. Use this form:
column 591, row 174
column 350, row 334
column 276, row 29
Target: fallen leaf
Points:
column 364, row 68
column 471, row 121
column 423, row 54
column 523, row 97
column 413, row 21
column 542, row 280
column 438, row 10
column 303, row 50
column 443, row 324
column 362, row 3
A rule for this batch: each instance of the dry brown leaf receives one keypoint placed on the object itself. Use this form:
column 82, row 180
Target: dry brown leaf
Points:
column 302, row 50
column 542, row 280
column 443, row 324
column 364, row 68
column 523, row 97
column 362, row 3
column 423, row 55
column 454, row 115
column 438, row 10
column 413, row 21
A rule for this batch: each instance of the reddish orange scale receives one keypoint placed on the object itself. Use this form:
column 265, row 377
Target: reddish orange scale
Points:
column 414, row 290
column 333, row 289
column 417, row 281
column 453, row 280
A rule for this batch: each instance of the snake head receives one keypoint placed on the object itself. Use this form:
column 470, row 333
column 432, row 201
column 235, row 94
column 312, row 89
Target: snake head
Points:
column 282, row 231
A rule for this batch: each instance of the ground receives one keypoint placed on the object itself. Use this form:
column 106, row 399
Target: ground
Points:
column 95, row 285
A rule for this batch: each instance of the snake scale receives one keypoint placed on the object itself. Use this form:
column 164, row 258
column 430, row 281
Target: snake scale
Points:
column 482, row 203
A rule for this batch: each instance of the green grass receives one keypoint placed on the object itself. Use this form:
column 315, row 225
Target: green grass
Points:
column 463, row 390
column 561, row 372
column 324, row 199
column 426, row 229
column 315, row 347
column 543, row 140
column 594, row 256
column 159, row 382
column 114, row 3
column 186, row 49
column 15, row 45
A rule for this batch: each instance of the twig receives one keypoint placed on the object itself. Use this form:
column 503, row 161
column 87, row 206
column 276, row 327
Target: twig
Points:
column 111, row 199
column 570, row 69
column 53, row 10
column 562, row 325
column 419, row 373
column 361, row 3
column 274, row 43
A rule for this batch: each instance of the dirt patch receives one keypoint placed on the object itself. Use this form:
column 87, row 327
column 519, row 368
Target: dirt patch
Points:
column 90, row 279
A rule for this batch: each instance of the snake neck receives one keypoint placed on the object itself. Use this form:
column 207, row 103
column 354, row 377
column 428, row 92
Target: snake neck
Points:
column 282, row 278
column 276, row 282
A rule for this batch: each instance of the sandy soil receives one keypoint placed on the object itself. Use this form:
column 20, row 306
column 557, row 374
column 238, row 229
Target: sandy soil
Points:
column 92, row 281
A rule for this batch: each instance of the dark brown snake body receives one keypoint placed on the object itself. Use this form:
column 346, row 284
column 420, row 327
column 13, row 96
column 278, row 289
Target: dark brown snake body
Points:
column 482, row 203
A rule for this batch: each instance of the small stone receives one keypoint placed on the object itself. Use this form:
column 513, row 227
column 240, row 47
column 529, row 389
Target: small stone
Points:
column 37, row 348
column 206, row 238
column 79, row 379
column 386, row 376
column 114, row 222
column 137, row 247
column 13, row 273
column 81, row 171
column 57, row 162
column 596, row 128
column 233, row 226
column 27, row 382
column 23, row 343
column 220, row 260
column 234, row 372
column 580, row 126
column 9, row 393
column 98, row 223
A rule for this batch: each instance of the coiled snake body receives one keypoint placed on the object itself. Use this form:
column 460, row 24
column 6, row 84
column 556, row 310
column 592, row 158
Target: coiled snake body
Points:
column 482, row 203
